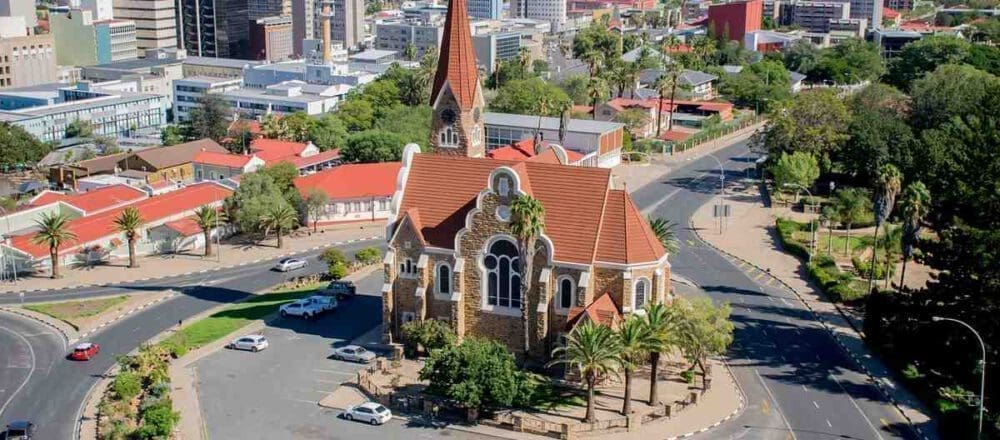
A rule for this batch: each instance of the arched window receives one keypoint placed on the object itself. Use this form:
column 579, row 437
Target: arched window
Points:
column 444, row 279
column 567, row 293
column 503, row 275
column 640, row 293
column 407, row 267
column 448, row 136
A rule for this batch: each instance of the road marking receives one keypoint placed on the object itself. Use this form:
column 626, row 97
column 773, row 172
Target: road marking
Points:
column 785, row 301
column 31, row 350
column 870, row 424
column 769, row 281
column 765, row 407
column 776, row 405
column 759, row 276
column 815, row 404
column 804, row 388
column 653, row 207
column 333, row 372
column 828, row 423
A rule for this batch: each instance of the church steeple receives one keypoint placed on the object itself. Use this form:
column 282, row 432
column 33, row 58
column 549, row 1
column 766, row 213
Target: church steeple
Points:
column 456, row 95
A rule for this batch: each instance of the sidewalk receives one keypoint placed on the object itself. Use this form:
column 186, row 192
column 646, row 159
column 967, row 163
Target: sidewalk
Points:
column 159, row 266
column 750, row 237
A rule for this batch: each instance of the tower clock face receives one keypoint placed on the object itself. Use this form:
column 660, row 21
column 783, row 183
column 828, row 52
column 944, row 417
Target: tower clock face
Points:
column 448, row 116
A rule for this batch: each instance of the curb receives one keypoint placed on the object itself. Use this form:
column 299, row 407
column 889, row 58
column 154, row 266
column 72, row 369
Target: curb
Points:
column 17, row 311
column 833, row 334
column 193, row 272
column 126, row 313
column 739, row 408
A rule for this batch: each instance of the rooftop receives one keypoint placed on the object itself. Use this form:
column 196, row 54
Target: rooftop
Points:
column 550, row 123
column 92, row 201
column 354, row 180
column 231, row 63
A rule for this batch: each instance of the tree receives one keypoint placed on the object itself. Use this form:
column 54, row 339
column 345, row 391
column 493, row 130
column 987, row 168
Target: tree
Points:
column 876, row 136
column 412, row 124
column 279, row 217
column 128, row 222
column 273, row 126
column 382, row 94
column 575, row 87
column 209, row 120
column 53, row 231
column 814, row 122
column 171, row 135
column 949, row 91
column 667, row 85
column 593, row 350
column 373, row 146
column 887, row 187
column 256, row 195
column 597, row 90
column 316, row 203
column 634, row 119
column 414, row 87
column 107, row 145
column 761, row 85
column 476, row 373
column 985, row 58
column 703, row 330
column 661, row 322
column 410, row 52
column 298, row 126
column 528, row 222
column 328, row 132
column 356, row 114
column 208, row 218
column 913, row 207
column 663, row 229
column 521, row 97
column 634, row 341
column 79, row 128
column 925, row 55
column 798, row 169
column 802, row 56
column 850, row 207
column 19, row 148
column 429, row 334
column 849, row 62
column 332, row 255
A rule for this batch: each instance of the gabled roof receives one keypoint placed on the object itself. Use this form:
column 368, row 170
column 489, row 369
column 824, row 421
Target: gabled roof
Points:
column 524, row 150
column 351, row 181
column 457, row 65
column 222, row 159
column 273, row 150
column 186, row 226
column 92, row 201
column 166, row 157
column 603, row 311
column 325, row 156
column 625, row 234
column 689, row 77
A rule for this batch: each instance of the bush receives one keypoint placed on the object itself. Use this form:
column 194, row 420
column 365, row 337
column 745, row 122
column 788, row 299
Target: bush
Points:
column 332, row 255
column 786, row 229
column 368, row 255
column 837, row 285
column 158, row 420
column 174, row 347
column 430, row 334
column 478, row 373
column 337, row 270
column 127, row 385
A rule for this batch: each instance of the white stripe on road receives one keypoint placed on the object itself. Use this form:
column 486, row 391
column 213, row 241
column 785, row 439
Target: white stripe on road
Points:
column 31, row 350
column 870, row 424
column 649, row 209
column 776, row 405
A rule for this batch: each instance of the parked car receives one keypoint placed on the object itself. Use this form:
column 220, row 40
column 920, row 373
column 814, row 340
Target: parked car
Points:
column 84, row 351
column 301, row 308
column 253, row 343
column 288, row 264
column 370, row 412
column 353, row 353
column 326, row 303
column 340, row 289
column 19, row 430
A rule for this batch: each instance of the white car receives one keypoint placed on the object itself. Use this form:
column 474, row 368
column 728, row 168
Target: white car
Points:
column 288, row 264
column 353, row 353
column 253, row 343
column 301, row 308
column 325, row 303
column 370, row 412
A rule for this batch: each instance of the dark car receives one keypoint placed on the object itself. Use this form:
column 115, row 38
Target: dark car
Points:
column 339, row 289
column 20, row 430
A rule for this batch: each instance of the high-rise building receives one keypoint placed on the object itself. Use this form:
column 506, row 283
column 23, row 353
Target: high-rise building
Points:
column 215, row 28
column 271, row 38
column 347, row 25
column 156, row 22
column 101, row 9
column 731, row 21
column 493, row 48
column 268, row 8
column 815, row 16
column 553, row 11
column 489, row 9
column 82, row 41
column 870, row 10
column 21, row 66
column 20, row 8
column 457, row 97
column 303, row 23
column 396, row 36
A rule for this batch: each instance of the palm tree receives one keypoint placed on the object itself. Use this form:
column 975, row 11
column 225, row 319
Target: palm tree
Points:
column 528, row 221
column 663, row 229
column 670, row 42
column 914, row 205
column 592, row 350
column 660, row 322
column 892, row 241
column 634, row 343
column 888, row 185
column 597, row 89
column 410, row 52
column 279, row 217
column 829, row 216
column 207, row 219
column 128, row 222
column 593, row 59
column 543, row 110
column 53, row 231
column 670, row 80
column 850, row 205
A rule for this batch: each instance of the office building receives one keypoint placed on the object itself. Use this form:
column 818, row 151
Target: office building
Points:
column 155, row 74
column 493, row 48
column 268, row 8
column 899, row 5
column 101, row 9
column 768, row 41
column 815, row 16
column 215, row 28
column 552, row 11
column 27, row 60
column 396, row 36
column 155, row 22
column 281, row 98
column 216, row 67
column 772, row 9
column 870, row 10
column 188, row 92
column 20, row 8
column 347, row 25
column 840, row 30
column 271, row 38
column 303, row 24
column 489, row 9
column 13, row 27
column 732, row 21
column 82, row 41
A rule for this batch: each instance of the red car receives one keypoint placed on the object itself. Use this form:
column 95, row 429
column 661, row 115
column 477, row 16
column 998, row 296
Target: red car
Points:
column 85, row 351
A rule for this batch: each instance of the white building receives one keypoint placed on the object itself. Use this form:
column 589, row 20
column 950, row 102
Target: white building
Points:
column 552, row 11
column 20, row 8
column 102, row 9
column 188, row 92
column 287, row 97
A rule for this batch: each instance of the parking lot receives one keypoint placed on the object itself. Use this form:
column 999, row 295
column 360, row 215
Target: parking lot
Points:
column 274, row 394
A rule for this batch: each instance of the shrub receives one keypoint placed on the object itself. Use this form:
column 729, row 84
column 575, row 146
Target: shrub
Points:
column 368, row 255
column 175, row 348
column 337, row 270
column 127, row 385
column 332, row 256
column 864, row 266
column 158, row 420
column 837, row 285
column 478, row 373
column 786, row 229
column 430, row 334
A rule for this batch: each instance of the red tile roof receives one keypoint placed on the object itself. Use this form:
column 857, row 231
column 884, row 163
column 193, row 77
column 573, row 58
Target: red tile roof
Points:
column 525, row 150
column 95, row 227
column 272, row 150
column 577, row 200
column 186, row 226
column 674, row 135
column 95, row 200
column 602, row 311
column 222, row 159
column 457, row 65
column 253, row 126
column 325, row 156
column 622, row 104
column 680, row 48
column 354, row 180
column 889, row 13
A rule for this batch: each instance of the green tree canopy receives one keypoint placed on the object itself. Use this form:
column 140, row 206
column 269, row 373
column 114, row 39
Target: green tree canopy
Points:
column 256, row 196
column 814, row 122
column 765, row 84
column 18, row 147
column 373, row 146
column 925, row 55
column 328, row 132
column 208, row 120
column 575, row 87
column 412, row 124
column 798, row 169
column 522, row 97
column 849, row 62
column 477, row 373
column 356, row 114
column 950, row 90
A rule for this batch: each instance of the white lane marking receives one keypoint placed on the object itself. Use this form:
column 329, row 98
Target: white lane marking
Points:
column 31, row 350
column 783, row 300
column 653, row 207
column 815, row 404
column 776, row 405
column 804, row 388
column 828, row 423
column 870, row 424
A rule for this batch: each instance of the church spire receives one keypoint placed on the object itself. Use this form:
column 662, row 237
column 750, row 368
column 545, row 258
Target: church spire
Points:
column 456, row 95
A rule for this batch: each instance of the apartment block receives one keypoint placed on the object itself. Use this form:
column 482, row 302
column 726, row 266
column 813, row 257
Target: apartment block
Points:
column 870, row 10
column 156, row 22
column 815, row 16
column 271, row 38
column 27, row 60
column 489, row 9
column 188, row 92
column 396, row 36
column 493, row 48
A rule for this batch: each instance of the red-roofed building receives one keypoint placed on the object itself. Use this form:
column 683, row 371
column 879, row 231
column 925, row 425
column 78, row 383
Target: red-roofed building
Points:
column 73, row 205
column 97, row 239
column 525, row 151
column 210, row 165
column 263, row 152
column 356, row 192
column 891, row 18
column 684, row 113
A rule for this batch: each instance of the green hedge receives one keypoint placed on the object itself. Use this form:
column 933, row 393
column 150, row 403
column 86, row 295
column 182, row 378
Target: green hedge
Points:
column 837, row 285
column 864, row 267
column 786, row 230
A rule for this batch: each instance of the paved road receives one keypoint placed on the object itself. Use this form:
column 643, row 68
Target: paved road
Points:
column 55, row 399
column 799, row 383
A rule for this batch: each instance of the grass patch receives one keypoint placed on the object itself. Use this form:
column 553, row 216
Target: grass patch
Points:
column 71, row 310
column 548, row 396
column 232, row 318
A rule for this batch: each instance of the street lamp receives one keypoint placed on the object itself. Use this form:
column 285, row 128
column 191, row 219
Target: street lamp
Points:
column 812, row 224
column 982, row 380
column 722, row 173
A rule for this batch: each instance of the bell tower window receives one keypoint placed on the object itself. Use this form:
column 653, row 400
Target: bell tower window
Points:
column 448, row 137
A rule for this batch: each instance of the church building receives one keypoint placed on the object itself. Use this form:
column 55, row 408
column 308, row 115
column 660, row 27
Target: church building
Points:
column 453, row 257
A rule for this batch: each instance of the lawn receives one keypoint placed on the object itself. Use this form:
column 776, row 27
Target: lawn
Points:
column 856, row 245
column 69, row 311
column 549, row 396
column 233, row 318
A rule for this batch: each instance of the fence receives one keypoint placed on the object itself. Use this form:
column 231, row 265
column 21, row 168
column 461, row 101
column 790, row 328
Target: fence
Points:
column 717, row 131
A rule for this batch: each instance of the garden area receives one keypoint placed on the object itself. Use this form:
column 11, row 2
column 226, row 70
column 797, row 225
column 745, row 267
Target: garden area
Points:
column 75, row 312
column 137, row 403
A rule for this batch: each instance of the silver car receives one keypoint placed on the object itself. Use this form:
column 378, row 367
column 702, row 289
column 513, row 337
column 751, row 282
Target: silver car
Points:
column 252, row 343
column 353, row 353
column 288, row 264
column 369, row 412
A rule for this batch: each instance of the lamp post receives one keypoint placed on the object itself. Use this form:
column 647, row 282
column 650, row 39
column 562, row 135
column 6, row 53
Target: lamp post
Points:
column 722, row 173
column 982, row 380
column 812, row 224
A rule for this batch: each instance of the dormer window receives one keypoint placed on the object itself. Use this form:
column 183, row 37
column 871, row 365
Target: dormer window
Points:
column 448, row 137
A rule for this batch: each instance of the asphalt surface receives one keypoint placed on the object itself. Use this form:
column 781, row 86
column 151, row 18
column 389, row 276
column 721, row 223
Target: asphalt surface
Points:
column 53, row 400
column 799, row 383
